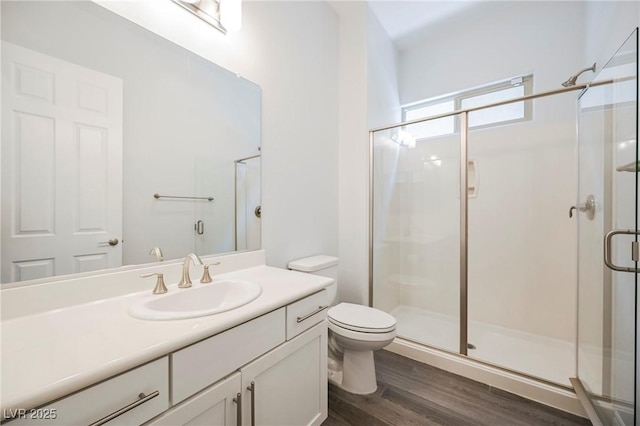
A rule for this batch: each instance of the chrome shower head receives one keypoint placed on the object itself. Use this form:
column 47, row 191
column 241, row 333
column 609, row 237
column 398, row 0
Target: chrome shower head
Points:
column 573, row 78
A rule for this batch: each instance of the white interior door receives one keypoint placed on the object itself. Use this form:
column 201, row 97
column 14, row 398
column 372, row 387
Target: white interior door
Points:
column 61, row 167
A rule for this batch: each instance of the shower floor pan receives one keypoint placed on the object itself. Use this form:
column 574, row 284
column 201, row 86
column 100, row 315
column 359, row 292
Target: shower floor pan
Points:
column 550, row 359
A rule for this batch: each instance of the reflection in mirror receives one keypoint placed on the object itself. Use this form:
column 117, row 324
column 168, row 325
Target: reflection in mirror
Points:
column 248, row 209
column 98, row 115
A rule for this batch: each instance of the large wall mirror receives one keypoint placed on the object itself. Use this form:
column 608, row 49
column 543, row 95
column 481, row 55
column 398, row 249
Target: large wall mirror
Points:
column 116, row 141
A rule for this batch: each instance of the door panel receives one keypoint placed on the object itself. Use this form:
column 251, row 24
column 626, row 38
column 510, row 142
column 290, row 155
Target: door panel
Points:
column 607, row 139
column 62, row 124
column 416, row 230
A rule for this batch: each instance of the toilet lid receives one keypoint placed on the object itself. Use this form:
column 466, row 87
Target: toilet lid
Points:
column 361, row 318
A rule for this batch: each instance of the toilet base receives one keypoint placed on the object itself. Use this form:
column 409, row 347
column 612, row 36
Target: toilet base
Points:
column 355, row 374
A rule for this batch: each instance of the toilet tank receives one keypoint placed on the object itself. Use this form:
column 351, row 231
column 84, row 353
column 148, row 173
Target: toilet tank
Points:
column 326, row 266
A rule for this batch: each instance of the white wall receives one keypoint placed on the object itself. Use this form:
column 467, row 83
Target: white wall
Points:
column 353, row 228
column 608, row 24
column 290, row 49
column 383, row 99
column 368, row 98
column 491, row 41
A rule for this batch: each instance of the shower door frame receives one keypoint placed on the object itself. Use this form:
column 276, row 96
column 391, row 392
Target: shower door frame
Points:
column 235, row 195
column 464, row 194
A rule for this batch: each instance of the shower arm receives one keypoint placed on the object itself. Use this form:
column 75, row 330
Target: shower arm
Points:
column 572, row 80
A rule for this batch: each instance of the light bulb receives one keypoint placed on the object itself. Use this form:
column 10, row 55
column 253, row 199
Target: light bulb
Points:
column 231, row 14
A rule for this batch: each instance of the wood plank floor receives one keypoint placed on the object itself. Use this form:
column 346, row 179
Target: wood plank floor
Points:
column 412, row 393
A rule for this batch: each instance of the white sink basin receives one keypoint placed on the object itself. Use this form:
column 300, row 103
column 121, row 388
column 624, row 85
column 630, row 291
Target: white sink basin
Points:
column 197, row 301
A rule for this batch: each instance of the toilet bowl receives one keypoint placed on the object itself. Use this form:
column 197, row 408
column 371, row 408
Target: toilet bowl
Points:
column 355, row 332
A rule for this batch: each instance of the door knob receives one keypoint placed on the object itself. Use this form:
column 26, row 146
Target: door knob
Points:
column 588, row 207
column 111, row 242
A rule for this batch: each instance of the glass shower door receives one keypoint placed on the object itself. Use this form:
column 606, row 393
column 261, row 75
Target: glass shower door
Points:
column 416, row 230
column 248, row 210
column 607, row 213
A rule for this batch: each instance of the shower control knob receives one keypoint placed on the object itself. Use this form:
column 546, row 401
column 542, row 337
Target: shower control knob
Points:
column 588, row 207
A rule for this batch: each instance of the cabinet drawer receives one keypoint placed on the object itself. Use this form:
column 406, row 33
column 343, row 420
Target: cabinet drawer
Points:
column 204, row 363
column 306, row 313
column 95, row 403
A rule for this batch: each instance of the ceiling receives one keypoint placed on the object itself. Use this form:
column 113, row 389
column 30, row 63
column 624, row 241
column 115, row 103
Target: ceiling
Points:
column 401, row 18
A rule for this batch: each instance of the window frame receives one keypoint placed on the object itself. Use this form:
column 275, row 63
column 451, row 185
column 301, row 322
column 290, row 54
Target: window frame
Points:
column 457, row 97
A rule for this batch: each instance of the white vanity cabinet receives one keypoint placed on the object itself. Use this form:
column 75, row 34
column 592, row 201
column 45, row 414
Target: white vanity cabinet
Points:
column 276, row 381
column 270, row 370
column 286, row 386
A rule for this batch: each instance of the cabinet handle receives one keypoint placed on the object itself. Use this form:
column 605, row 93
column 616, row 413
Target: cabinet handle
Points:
column 252, row 389
column 238, row 401
column 309, row 315
column 143, row 398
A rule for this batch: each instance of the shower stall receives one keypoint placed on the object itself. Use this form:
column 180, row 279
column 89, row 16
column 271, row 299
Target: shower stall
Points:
column 248, row 211
column 515, row 246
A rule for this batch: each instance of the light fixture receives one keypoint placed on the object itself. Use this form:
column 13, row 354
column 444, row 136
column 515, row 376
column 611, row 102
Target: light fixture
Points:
column 231, row 14
column 224, row 15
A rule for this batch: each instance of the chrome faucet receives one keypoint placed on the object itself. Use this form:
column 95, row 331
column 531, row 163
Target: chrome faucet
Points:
column 185, row 281
column 157, row 253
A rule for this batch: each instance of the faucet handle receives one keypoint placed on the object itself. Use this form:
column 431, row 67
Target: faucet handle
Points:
column 160, row 288
column 206, row 277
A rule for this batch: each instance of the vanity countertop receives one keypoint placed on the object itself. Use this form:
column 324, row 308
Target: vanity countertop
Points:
column 51, row 354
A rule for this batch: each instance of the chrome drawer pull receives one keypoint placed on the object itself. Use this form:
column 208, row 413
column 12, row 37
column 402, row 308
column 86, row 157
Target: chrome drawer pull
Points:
column 143, row 398
column 309, row 315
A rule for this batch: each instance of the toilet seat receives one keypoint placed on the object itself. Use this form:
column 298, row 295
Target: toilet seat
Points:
column 360, row 336
column 362, row 319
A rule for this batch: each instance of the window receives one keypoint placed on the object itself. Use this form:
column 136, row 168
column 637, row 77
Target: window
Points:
column 497, row 92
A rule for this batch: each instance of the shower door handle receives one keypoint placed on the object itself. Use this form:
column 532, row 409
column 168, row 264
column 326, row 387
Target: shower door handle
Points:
column 199, row 227
column 635, row 250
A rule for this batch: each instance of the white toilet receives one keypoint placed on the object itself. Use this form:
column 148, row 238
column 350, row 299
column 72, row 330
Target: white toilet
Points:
column 355, row 331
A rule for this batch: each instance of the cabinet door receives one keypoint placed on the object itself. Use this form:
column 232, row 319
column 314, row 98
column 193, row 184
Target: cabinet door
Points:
column 213, row 406
column 289, row 383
